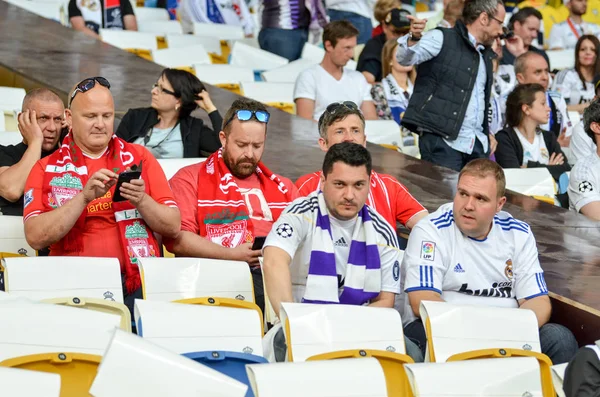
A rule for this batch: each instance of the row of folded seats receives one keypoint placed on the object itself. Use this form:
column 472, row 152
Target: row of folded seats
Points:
column 199, row 332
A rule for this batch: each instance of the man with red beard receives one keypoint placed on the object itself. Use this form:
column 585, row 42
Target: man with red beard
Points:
column 232, row 197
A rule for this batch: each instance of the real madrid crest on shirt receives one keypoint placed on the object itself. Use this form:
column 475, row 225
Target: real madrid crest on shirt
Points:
column 585, row 187
column 508, row 270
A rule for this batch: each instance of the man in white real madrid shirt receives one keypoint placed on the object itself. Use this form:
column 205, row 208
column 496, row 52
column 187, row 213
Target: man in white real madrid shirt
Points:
column 471, row 252
column 584, row 183
column 564, row 35
column 330, row 247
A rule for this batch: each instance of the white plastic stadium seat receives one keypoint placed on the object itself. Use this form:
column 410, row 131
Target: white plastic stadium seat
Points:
column 317, row 329
column 183, row 328
column 169, row 279
column 183, row 56
column 558, row 376
column 457, row 329
column 330, row 378
column 12, row 235
column 530, row 181
column 126, row 39
column 2, row 122
column 158, row 373
column 10, row 138
column 23, row 383
column 210, row 44
column 506, row 377
column 219, row 30
column 143, row 14
column 54, row 10
column 223, row 74
column 269, row 92
column 254, row 58
column 171, row 166
column 289, row 72
column 11, row 99
column 46, row 277
column 160, row 27
column 316, row 53
column 5, row 297
column 383, row 132
column 44, row 328
column 561, row 59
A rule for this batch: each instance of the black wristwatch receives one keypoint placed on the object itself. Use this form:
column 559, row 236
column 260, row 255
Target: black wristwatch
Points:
column 413, row 38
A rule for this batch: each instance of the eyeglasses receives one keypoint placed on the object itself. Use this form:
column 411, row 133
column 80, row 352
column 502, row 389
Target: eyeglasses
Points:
column 334, row 107
column 501, row 22
column 245, row 115
column 88, row 84
column 163, row 90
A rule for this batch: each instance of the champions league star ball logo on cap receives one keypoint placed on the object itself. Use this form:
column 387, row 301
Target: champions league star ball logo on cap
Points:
column 284, row 230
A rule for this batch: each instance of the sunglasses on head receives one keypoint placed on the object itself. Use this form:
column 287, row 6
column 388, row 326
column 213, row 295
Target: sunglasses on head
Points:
column 245, row 115
column 88, row 84
column 334, row 107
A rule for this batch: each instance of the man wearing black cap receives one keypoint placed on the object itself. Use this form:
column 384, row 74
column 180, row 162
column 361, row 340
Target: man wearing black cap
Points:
column 395, row 25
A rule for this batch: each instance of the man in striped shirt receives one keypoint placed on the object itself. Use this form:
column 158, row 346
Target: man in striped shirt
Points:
column 471, row 252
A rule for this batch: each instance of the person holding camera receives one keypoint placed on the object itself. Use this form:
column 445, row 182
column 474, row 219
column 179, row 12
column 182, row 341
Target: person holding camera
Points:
column 81, row 201
column 450, row 103
column 167, row 128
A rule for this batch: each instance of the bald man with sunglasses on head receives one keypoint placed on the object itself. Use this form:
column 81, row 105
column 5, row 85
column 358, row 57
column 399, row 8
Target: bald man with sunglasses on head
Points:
column 74, row 204
column 232, row 198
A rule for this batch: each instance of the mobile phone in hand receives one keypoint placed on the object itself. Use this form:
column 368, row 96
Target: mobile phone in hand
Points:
column 258, row 243
column 125, row 177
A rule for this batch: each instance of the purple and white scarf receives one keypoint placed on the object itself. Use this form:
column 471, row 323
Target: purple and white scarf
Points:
column 363, row 271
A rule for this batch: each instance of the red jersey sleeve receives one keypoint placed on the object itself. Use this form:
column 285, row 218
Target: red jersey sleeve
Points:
column 406, row 205
column 33, row 202
column 308, row 183
column 185, row 190
column 158, row 186
column 291, row 187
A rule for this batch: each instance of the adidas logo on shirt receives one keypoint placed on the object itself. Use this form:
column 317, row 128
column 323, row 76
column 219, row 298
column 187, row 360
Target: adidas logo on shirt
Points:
column 458, row 268
column 341, row 243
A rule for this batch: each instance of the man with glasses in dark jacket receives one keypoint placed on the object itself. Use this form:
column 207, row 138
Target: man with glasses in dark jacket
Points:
column 450, row 103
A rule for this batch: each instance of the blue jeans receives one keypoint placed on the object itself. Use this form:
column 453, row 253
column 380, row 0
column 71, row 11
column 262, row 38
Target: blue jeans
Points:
column 556, row 341
column 280, row 348
column 434, row 149
column 287, row 43
column 364, row 25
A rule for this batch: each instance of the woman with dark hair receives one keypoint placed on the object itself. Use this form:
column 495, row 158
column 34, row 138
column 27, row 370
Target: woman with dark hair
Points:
column 522, row 144
column 391, row 96
column 167, row 128
column 576, row 85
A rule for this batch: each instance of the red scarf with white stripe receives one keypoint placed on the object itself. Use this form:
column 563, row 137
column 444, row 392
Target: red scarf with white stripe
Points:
column 66, row 175
column 223, row 216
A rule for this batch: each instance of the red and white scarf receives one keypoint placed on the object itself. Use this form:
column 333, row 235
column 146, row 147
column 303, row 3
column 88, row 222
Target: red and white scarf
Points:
column 66, row 175
column 223, row 216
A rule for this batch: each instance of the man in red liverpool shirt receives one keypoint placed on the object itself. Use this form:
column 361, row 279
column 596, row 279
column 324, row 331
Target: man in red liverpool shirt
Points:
column 232, row 197
column 343, row 122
